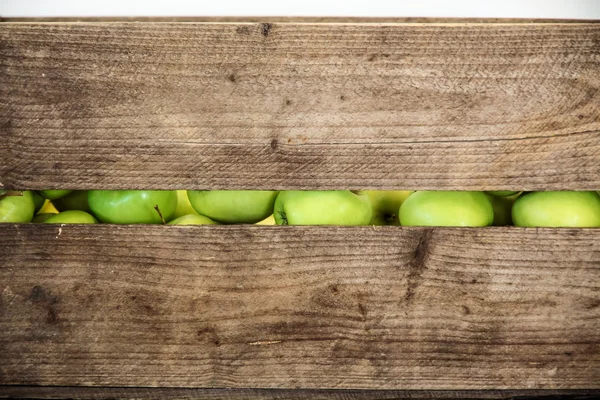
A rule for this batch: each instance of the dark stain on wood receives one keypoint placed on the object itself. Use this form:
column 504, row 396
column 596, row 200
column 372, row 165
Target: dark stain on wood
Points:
column 150, row 310
column 362, row 310
column 209, row 334
column 39, row 294
column 265, row 28
column 52, row 315
column 375, row 56
column 42, row 297
column 592, row 303
column 417, row 264
column 243, row 30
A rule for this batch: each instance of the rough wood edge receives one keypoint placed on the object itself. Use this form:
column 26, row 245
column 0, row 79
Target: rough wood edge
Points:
column 281, row 19
column 97, row 393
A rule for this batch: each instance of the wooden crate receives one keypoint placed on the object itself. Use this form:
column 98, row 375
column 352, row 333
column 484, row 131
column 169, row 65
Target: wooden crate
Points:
column 257, row 312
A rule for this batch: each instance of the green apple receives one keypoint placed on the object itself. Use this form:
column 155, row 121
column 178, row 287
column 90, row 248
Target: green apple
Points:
column 386, row 205
column 39, row 202
column 17, row 206
column 557, row 209
column 502, row 193
column 71, row 217
column 338, row 207
column 39, row 218
column 53, row 194
column 233, row 206
column 133, row 206
column 192, row 219
column 446, row 208
column 183, row 205
column 503, row 209
column 76, row 200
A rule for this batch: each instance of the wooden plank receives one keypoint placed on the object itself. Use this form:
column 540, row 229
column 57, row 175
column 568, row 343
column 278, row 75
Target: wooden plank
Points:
column 300, row 307
column 300, row 105
column 308, row 19
column 111, row 393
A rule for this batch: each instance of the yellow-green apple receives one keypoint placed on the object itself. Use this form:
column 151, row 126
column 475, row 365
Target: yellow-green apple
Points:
column 557, row 209
column 16, row 206
column 192, row 219
column 71, row 217
column 53, row 194
column 446, row 208
column 338, row 207
column 48, row 208
column 183, row 205
column 233, row 206
column 133, row 206
column 270, row 220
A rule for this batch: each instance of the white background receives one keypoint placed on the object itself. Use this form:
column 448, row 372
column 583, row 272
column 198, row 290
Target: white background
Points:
column 569, row 9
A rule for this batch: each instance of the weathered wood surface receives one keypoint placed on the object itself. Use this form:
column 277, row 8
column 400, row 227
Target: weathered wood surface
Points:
column 309, row 19
column 278, row 105
column 112, row 393
column 300, row 307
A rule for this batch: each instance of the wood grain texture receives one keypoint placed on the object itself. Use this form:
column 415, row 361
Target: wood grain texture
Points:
column 309, row 19
column 276, row 105
column 300, row 307
column 111, row 393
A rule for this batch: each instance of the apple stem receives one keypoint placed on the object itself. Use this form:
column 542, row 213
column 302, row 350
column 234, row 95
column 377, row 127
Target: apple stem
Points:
column 160, row 214
column 10, row 194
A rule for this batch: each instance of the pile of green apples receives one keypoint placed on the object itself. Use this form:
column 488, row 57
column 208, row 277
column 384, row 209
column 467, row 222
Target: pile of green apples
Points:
column 339, row 207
